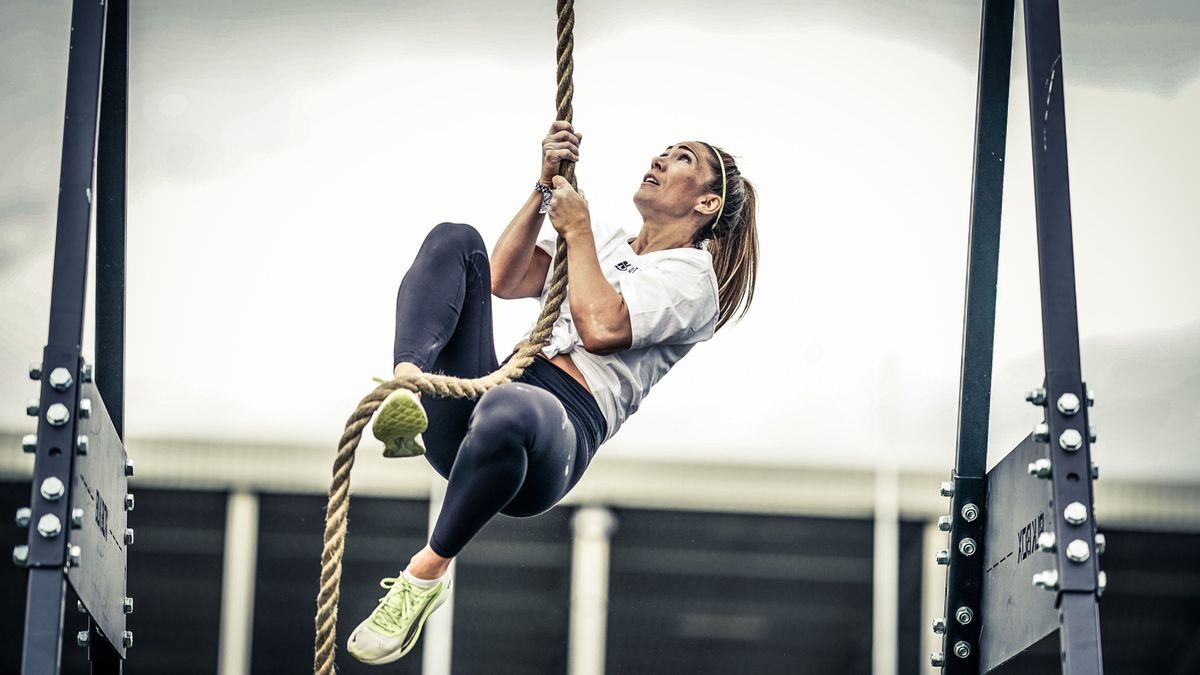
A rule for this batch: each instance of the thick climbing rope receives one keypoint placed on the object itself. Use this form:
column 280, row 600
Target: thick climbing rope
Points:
column 338, row 510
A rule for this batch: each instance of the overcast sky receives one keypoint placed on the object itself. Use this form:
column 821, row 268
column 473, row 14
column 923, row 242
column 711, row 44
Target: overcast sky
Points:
column 286, row 159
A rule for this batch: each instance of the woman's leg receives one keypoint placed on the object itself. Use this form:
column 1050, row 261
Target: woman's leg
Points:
column 518, row 455
column 444, row 325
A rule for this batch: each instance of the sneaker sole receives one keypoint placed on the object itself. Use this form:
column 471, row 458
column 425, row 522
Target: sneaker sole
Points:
column 399, row 423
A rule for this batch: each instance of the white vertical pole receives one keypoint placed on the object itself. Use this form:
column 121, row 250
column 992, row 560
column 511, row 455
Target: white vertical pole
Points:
column 886, row 586
column 237, row 585
column 933, row 593
column 593, row 528
column 438, row 635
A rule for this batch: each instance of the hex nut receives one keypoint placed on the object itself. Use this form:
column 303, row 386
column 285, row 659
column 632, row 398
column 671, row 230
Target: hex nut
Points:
column 24, row 515
column 74, row 553
column 49, row 526
column 1101, row 543
column 85, row 373
column 970, row 512
column 53, row 489
column 60, row 378
column 1047, row 579
column 128, row 502
column 85, row 408
column 82, row 443
column 1070, row 440
column 35, row 371
column 129, row 467
column 967, row 546
column 33, row 407
column 76, row 518
column 81, row 638
column 1041, row 468
column 1036, row 396
column 1068, row 404
column 937, row 660
column 943, row 523
column 127, row 639
column 1041, row 433
column 127, row 605
column 942, row 557
column 129, row 536
column 20, row 555
column 961, row 649
column 939, row 626
column 946, row 489
column 57, row 414
column 1078, row 551
column 1075, row 513
column 1046, row 542
column 29, row 443
column 964, row 615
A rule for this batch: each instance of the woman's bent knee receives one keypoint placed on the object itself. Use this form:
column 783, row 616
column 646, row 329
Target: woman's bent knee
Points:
column 503, row 414
column 458, row 237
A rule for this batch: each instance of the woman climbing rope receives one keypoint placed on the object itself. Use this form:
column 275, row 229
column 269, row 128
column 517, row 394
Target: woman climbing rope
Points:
column 635, row 306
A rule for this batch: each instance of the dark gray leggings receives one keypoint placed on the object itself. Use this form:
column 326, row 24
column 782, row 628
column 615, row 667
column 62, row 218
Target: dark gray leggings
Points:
column 522, row 446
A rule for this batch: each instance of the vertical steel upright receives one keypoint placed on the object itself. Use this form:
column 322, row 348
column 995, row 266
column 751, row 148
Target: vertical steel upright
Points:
column 47, row 557
column 63, row 371
column 961, row 625
column 1065, row 393
column 111, row 150
column 110, row 214
column 1076, row 579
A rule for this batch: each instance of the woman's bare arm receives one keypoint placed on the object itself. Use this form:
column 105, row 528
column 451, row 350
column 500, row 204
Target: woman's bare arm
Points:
column 519, row 267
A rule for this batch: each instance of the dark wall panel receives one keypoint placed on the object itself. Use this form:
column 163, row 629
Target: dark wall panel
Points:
column 383, row 535
column 512, row 610
column 715, row 593
column 910, row 623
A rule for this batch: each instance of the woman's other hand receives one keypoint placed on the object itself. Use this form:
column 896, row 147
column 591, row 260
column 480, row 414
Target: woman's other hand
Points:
column 568, row 210
column 562, row 143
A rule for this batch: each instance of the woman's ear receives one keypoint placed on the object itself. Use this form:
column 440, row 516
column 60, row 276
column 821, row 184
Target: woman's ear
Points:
column 708, row 205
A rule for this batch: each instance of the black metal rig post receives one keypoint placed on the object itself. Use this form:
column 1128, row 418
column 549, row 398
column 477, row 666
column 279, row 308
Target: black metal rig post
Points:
column 80, row 469
column 1003, row 592
column 1075, row 571
column 967, row 520
column 110, row 260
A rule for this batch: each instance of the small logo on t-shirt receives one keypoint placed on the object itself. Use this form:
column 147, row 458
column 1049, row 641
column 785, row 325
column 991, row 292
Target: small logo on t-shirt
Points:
column 624, row 266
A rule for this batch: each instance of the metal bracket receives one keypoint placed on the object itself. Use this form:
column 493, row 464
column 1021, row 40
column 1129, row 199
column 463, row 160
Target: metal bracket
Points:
column 968, row 519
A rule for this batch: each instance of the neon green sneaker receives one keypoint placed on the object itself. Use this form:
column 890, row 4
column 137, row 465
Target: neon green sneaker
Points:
column 393, row 628
column 399, row 423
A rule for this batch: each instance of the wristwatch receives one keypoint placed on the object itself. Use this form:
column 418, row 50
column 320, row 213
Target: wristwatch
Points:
column 546, row 194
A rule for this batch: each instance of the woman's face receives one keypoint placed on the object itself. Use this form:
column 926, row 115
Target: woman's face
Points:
column 674, row 187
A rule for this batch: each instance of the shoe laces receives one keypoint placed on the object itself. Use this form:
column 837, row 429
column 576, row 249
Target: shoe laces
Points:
column 399, row 606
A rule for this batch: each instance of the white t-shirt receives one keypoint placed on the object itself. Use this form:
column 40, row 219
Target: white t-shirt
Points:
column 672, row 301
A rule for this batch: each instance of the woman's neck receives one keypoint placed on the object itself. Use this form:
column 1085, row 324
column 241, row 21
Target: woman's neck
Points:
column 661, row 236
